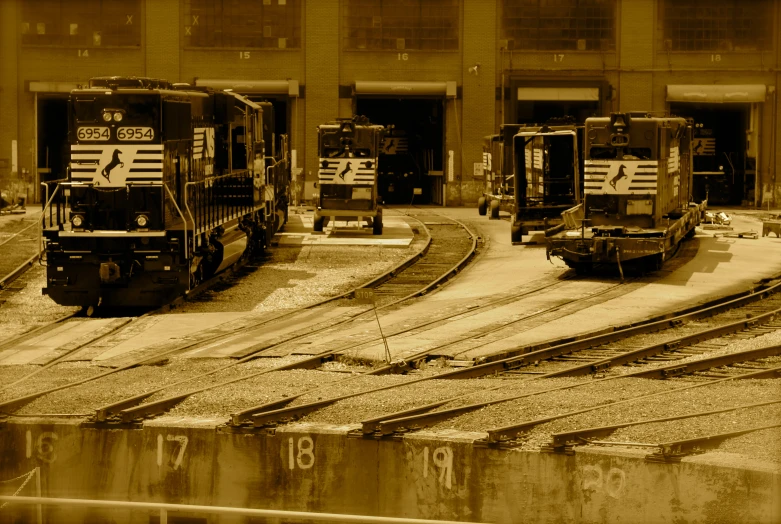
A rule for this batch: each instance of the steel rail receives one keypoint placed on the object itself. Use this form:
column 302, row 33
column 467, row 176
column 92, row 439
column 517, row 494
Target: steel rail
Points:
column 504, row 364
column 16, row 273
column 68, row 353
column 123, row 407
column 669, row 345
column 20, row 401
column 264, row 415
column 582, row 436
column 297, row 411
column 104, row 412
column 707, row 363
column 35, row 332
column 397, row 421
column 506, row 433
column 676, row 450
column 127, row 413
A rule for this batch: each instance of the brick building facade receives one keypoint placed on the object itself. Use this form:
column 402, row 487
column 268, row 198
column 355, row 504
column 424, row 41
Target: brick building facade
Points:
column 445, row 72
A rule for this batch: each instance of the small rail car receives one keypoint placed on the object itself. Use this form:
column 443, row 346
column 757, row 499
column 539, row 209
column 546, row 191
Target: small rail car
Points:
column 166, row 186
column 548, row 176
column 347, row 176
column 638, row 182
column 499, row 194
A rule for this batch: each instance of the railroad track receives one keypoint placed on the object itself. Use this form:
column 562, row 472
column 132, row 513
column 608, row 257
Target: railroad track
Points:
column 19, row 245
column 444, row 410
column 222, row 333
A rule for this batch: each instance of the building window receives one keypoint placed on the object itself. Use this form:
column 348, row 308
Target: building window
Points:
column 559, row 25
column 717, row 25
column 399, row 25
column 81, row 23
column 245, row 24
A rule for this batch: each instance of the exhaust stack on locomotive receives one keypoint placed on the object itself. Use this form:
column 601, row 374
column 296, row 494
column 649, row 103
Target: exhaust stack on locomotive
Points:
column 637, row 187
column 167, row 184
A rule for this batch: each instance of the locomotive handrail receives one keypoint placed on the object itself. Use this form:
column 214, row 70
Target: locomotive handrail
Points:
column 208, row 183
column 184, row 220
column 274, row 200
column 43, row 218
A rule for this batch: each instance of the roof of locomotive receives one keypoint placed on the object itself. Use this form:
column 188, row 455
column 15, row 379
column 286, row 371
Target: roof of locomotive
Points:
column 153, row 86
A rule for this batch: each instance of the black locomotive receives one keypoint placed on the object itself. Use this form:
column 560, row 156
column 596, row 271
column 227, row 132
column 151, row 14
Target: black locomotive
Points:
column 637, row 186
column 167, row 184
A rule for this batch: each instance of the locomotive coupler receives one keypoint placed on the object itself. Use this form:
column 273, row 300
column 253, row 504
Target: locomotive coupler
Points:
column 109, row 272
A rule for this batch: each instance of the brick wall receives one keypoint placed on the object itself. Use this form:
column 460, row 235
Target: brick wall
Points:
column 321, row 27
column 479, row 92
column 9, row 90
column 638, row 72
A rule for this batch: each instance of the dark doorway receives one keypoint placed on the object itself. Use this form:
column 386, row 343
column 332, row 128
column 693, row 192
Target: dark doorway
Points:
column 412, row 153
column 539, row 112
column 722, row 171
column 53, row 148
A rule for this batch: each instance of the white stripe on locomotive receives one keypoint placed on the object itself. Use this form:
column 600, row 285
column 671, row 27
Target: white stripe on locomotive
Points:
column 603, row 177
column 347, row 171
column 113, row 165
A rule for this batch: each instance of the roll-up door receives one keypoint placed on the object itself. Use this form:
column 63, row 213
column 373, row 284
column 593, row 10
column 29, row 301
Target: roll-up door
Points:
column 718, row 94
column 446, row 89
column 251, row 87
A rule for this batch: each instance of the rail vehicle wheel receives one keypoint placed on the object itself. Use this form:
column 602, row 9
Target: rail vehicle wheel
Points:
column 516, row 233
column 481, row 206
column 377, row 224
column 196, row 276
column 317, row 224
column 494, row 209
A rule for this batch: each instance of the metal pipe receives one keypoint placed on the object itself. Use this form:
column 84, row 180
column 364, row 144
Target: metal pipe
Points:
column 223, row 510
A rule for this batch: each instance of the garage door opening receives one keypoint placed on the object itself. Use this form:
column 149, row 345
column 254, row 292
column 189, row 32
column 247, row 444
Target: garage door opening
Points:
column 539, row 112
column 540, row 104
column 723, row 172
column 52, row 140
column 412, row 151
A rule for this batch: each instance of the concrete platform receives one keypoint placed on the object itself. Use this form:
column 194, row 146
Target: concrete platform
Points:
column 396, row 232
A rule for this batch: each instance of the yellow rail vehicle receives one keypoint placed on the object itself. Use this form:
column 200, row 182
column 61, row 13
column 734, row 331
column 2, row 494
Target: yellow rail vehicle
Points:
column 347, row 178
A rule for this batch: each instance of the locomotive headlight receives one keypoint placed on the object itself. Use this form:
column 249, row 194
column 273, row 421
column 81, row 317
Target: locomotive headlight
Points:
column 142, row 220
column 77, row 220
column 107, row 116
column 117, row 117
